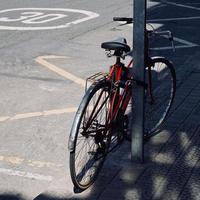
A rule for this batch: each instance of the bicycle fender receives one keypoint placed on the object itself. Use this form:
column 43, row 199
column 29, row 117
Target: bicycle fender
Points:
column 71, row 142
column 76, row 122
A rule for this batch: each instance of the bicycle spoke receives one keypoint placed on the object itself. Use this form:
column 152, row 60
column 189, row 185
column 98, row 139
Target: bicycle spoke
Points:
column 91, row 141
column 159, row 99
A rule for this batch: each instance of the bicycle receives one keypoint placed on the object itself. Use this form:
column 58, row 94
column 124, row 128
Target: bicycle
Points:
column 101, row 121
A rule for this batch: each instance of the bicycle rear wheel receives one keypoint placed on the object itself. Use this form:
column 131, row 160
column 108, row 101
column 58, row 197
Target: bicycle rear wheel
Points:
column 161, row 80
column 90, row 136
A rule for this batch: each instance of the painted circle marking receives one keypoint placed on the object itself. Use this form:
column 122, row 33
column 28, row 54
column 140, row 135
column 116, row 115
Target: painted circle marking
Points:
column 37, row 16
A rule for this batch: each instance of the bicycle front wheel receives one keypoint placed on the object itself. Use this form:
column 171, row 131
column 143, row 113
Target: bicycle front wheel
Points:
column 90, row 131
column 159, row 96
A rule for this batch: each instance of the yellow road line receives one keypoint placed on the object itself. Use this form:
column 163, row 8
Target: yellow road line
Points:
column 15, row 160
column 38, row 114
column 4, row 118
column 24, row 174
column 12, row 160
column 43, row 61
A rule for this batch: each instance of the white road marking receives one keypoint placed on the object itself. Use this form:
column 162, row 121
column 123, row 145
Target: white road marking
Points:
column 187, row 44
column 181, row 5
column 169, row 19
column 89, row 15
column 38, row 114
column 50, row 17
column 24, row 16
column 28, row 175
column 170, row 47
column 43, row 61
column 34, row 18
column 173, row 19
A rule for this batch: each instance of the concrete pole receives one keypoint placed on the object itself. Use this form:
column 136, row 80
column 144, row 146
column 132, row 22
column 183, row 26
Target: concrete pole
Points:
column 137, row 145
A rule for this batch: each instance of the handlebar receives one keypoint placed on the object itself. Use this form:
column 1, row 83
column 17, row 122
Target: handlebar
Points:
column 123, row 19
column 130, row 20
column 150, row 33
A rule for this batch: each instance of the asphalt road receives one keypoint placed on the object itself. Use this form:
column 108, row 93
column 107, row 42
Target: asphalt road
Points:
column 47, row 49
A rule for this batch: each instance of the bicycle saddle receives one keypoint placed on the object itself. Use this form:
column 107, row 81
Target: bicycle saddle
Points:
column 119, row 44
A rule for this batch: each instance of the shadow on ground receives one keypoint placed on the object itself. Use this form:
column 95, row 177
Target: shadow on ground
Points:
column 172, row 162
column 10, row 197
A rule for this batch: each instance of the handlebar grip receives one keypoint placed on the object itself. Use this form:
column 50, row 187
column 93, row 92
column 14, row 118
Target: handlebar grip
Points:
column 123, row 19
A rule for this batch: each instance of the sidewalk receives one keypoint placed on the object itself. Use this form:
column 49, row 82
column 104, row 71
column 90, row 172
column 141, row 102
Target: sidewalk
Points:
column 172, row 158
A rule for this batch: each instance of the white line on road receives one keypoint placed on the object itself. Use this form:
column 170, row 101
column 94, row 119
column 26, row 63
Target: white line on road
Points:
column 23, row 174
column 181, row 5
column 173, row 19
column 89, row 15
column 186, row 44
column 170, row 47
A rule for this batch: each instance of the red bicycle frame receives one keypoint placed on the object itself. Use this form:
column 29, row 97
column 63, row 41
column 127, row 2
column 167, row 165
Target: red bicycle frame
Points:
column 120, row 97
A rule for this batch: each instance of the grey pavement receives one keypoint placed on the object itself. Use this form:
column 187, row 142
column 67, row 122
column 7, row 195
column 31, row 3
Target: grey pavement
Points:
column 33, row 150
column 171, row 166
column 38, row 145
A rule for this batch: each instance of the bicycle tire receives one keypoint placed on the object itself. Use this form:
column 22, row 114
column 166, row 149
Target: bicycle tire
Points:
column 95, row 136
column 163, row 91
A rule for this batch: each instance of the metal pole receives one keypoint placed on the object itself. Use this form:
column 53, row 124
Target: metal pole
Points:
column 137, row 146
